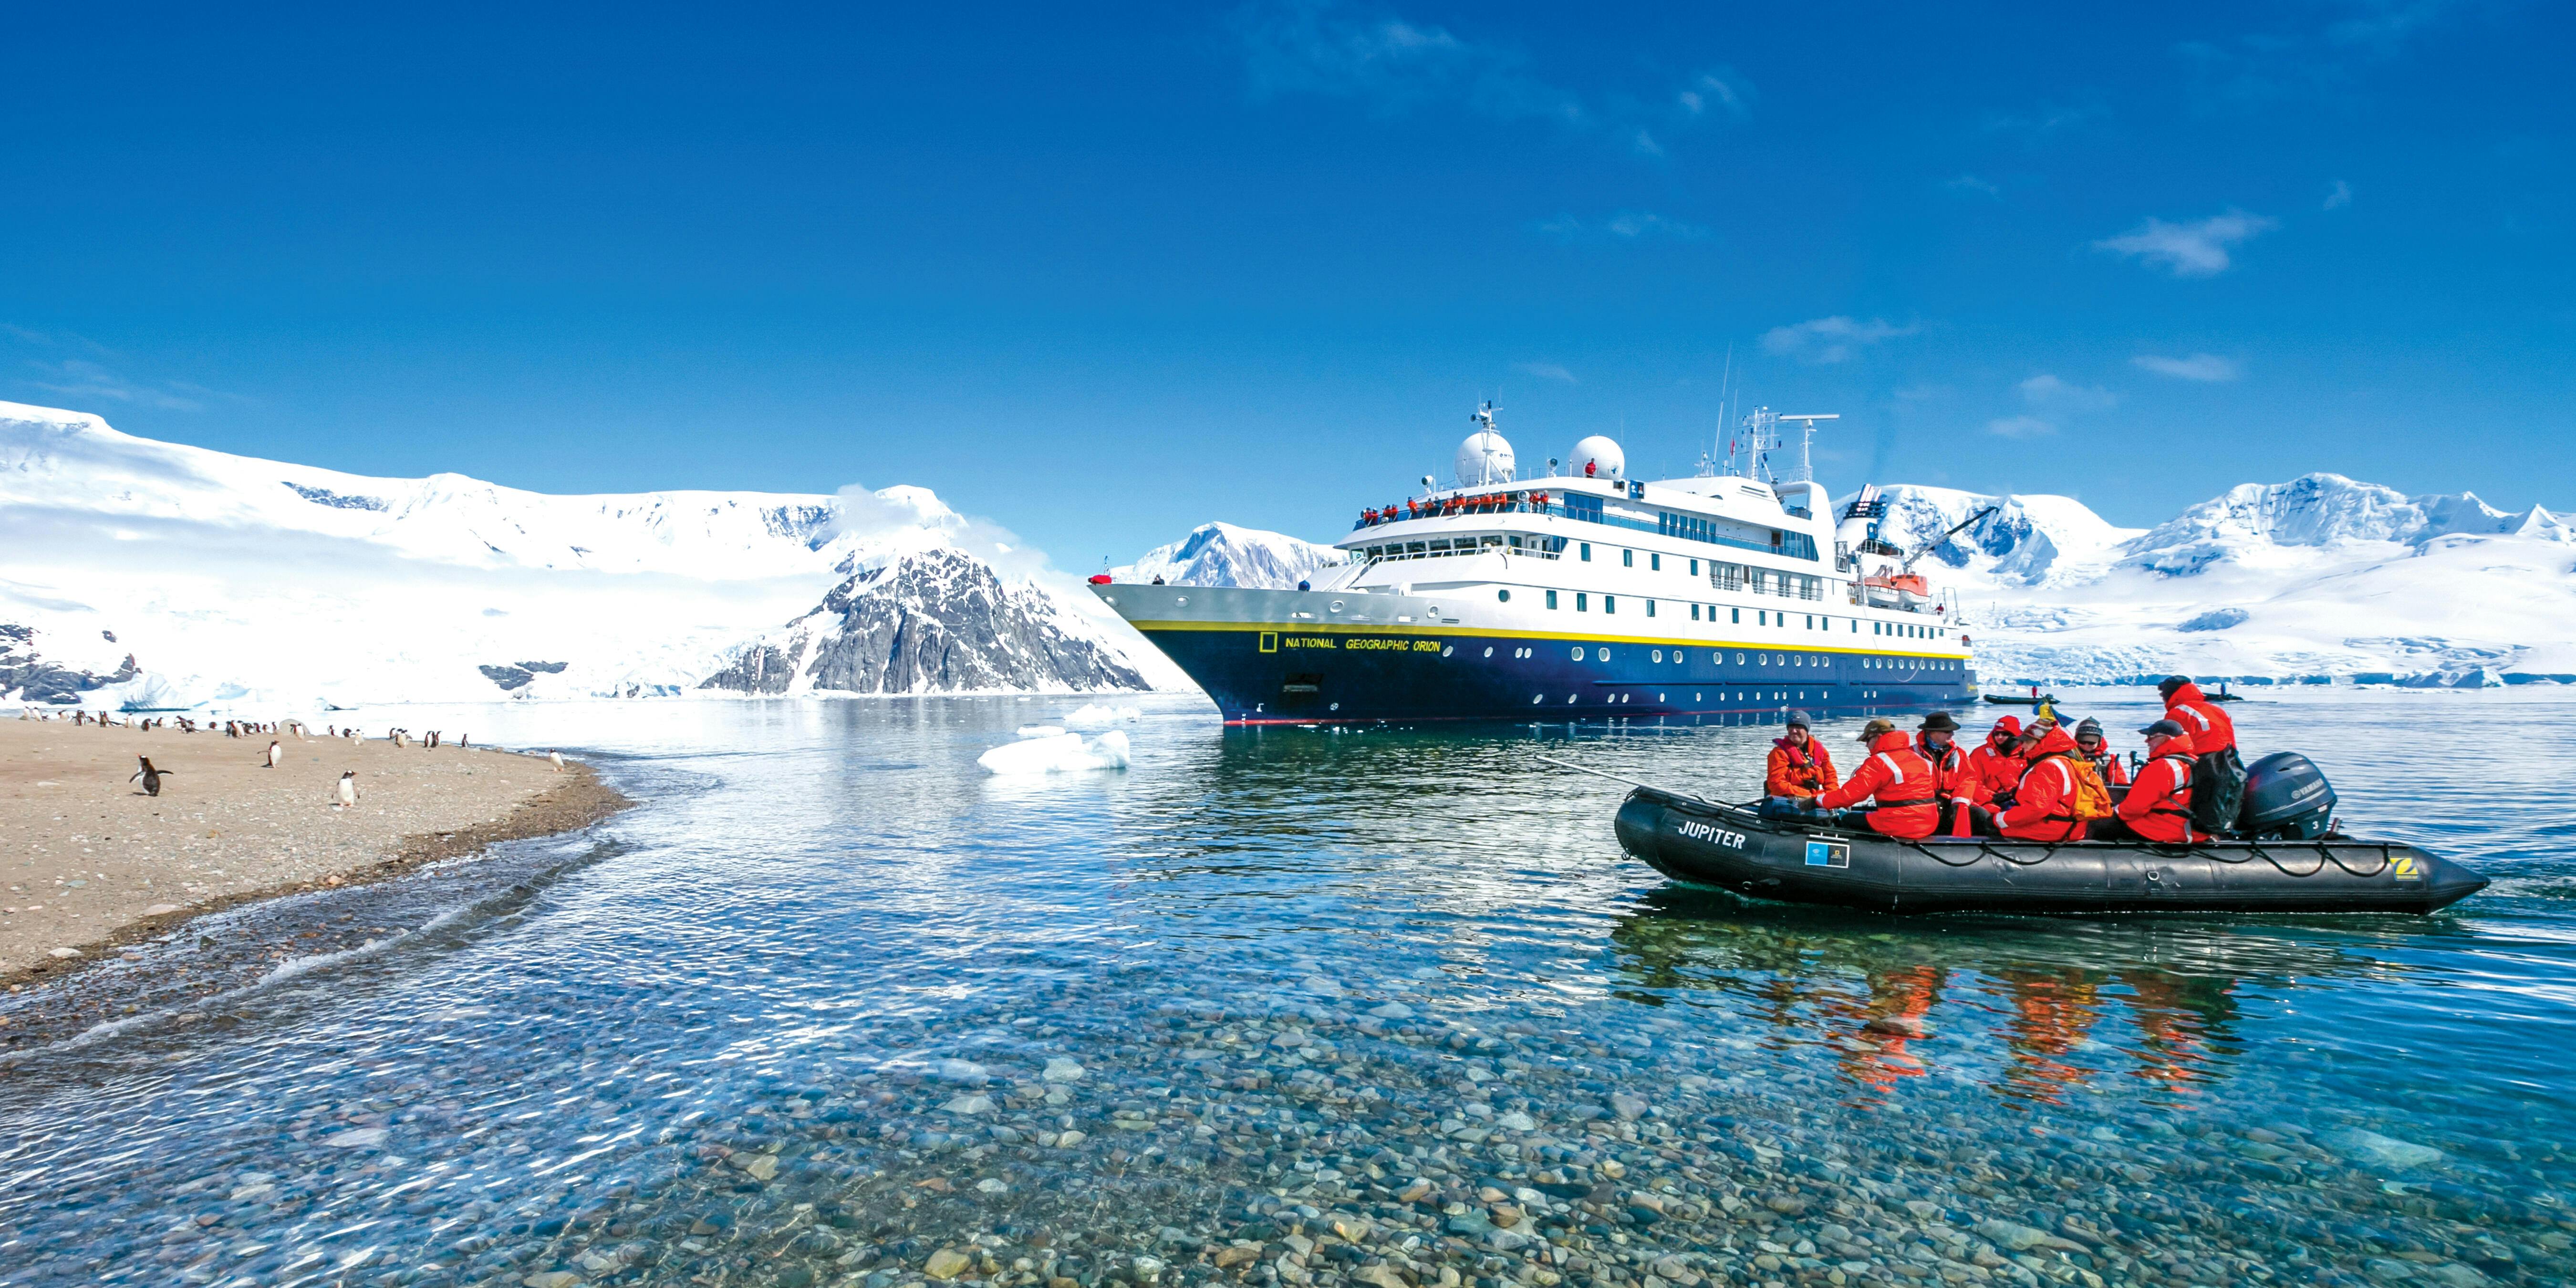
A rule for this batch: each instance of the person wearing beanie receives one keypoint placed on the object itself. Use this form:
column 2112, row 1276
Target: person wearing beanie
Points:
column 1800, row 767
column 2088, row 744
column 1997, row 765
column 2043, row 802
column 2210, row 727
column 1896, row 781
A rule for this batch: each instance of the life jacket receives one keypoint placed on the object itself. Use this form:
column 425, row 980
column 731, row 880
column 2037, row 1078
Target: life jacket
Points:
column 2047, row 801
column 2091, row 798
column 1798, row 771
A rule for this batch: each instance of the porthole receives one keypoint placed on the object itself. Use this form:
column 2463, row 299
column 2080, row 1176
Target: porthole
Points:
column 1537, row 698
column 1659, row 655
column 1504, row 595
column 1448, row 649
column 1336, row 605
column 1739, row 659
column 1182, row 600
column 1489, row 652
column 1335, row 707
column 1578, row 652
column 1603, row 654
column 1798, row 661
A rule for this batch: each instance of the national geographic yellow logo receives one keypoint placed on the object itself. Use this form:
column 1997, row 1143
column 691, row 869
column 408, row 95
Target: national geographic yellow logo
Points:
column 1272, row 643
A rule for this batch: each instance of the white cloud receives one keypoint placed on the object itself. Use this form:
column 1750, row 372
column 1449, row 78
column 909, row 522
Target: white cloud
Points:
column 2340, row 197
column 2020, row 427
column 1720, row 90
column 1546, row 371
column 1332, row 50
column 2205, row 367
column 2197, row 249
column 74, row 379
column 1833, row 339
column 2047, row 391
column 1627, row 225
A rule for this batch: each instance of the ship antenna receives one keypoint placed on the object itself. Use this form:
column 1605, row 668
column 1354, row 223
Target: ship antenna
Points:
column 1725, row 379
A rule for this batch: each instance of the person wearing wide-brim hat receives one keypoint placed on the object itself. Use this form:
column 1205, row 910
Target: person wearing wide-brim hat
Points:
column 1800, row 767
column 1956, row 788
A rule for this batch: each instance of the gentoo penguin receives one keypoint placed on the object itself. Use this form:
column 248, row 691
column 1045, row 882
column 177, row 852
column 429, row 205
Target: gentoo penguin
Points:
column 274, row 754
column 151, row 777
column 398, row 738
column 348, row 788
column 555, row 758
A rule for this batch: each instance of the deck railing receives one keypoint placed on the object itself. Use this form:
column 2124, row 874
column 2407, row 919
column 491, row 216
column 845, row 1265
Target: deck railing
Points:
column 1792, row 545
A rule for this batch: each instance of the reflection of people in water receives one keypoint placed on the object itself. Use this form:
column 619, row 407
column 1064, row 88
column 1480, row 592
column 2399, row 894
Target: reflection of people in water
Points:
column 2180, row 1019
column 1898, row 1001
column 2053, row 1012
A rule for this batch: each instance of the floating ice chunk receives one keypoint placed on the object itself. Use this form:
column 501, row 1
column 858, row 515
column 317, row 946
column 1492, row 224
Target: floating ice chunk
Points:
column 1041, row 731
column 1057, row 754
column 1095, row 716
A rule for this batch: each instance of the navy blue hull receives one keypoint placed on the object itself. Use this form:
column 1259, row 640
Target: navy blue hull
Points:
column 1266, row 677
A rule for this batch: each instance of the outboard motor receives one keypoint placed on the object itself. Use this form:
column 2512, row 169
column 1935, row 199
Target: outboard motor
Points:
column 2286, row 798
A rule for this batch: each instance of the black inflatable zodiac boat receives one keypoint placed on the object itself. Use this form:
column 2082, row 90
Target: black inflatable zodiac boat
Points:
column 1730, row 847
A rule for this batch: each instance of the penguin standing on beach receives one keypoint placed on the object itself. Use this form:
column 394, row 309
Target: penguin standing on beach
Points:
column 150, row 777
column 556, row 759
column 275, row 754
column 348, row 789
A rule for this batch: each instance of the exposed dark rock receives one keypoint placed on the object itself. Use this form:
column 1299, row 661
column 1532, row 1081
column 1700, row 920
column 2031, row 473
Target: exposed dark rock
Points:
column 336, row 500
column 33, row 679
column 517, row 676
column 936, row 621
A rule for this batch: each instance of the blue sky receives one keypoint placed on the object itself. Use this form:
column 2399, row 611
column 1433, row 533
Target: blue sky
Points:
column 1105, row 273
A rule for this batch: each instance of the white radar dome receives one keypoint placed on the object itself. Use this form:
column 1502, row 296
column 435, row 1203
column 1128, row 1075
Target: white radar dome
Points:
column 1484, row 458
column 1597, row 457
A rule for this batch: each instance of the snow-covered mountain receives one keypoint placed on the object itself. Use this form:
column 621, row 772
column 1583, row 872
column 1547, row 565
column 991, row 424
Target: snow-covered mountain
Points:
column 2320, row 578
column 261, row 583
column 1221, row 554
column 931, row 621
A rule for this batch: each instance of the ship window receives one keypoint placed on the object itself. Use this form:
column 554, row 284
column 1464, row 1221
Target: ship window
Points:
column 1764, row 614
column 1503, row 595
column 1578, row 652
column 1587, row 552
column 1551, row 599
column 1694, row 612
column 1601, row 654
column 1654, row 563
column 1797, row 661
column 1811, row 621
column 1492, row 541
column 1694, row 567
column 1582, row 602
column 1516, row 541
column 1739, row 659
column 1659, row 655
column 1735, row 615
column 1609, row 603
column 1627, row 558
column 1650, row 608
column 1416, row 549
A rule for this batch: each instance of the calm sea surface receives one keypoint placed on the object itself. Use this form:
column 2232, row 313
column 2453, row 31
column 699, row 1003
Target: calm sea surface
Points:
column 835, row 1007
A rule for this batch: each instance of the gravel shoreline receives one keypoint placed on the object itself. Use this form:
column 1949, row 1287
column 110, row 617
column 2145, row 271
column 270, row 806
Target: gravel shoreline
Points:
column 93, row 864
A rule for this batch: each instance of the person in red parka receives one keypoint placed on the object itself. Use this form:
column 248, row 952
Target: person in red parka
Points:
column 2088, row 744
column 2209, row 725
column 2158, row 806
column 2040, row 810
column 1799, row 765
column 1955, row 787
column 1896, row 780
column 1997, row 765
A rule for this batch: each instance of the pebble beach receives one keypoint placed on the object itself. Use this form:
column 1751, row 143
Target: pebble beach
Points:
column 92, row 862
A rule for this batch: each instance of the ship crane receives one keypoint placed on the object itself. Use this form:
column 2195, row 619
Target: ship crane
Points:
column 1905, row 587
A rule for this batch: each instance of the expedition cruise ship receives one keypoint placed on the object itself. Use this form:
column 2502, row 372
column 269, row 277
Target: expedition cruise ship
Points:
column 1580, row 594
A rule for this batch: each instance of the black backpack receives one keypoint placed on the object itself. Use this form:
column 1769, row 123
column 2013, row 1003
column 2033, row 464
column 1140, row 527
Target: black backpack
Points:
column 2217, row 790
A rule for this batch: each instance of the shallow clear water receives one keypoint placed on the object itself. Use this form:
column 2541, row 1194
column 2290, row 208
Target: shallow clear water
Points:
column 1384, row 1008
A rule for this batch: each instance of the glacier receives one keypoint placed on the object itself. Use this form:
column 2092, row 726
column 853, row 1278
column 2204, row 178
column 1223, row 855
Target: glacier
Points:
column 260, row 584
column 1221, row 554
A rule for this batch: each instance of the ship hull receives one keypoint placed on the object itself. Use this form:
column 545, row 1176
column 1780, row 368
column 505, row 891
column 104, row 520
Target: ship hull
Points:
column 1287, row 657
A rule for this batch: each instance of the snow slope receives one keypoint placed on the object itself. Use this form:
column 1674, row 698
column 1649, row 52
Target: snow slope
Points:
column 262, row 583
column 1221, row 554
column 2318, row 578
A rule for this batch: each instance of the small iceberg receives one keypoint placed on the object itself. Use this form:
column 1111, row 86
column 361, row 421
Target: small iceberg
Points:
column 1095, row 716
column 1057, row 753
